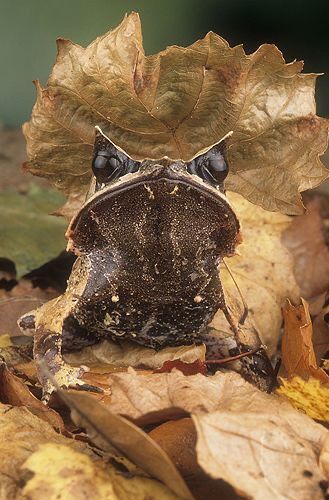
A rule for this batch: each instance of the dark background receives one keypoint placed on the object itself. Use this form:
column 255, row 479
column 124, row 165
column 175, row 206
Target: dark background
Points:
column 28, row 29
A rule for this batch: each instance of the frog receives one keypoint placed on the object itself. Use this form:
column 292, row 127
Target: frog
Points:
column 148, row 241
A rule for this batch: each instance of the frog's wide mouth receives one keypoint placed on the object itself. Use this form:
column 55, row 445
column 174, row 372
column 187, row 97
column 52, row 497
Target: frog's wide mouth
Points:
column 167, row 195
column 167, row 181
column 156, row 175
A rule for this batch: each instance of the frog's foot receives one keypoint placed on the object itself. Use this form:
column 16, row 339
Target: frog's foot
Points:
column 64, row 377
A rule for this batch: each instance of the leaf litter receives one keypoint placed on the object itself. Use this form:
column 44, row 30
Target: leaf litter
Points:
column 162, row 428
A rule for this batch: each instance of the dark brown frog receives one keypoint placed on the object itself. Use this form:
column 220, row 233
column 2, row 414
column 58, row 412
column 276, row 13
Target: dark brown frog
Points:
column 149, row 240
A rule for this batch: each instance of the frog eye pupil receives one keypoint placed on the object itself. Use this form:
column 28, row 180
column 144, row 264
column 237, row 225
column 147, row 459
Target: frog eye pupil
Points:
column 106, row 168
column 210, row 167
column 217, row 165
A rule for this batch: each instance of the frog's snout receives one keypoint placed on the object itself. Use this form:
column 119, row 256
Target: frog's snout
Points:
column 161, row 172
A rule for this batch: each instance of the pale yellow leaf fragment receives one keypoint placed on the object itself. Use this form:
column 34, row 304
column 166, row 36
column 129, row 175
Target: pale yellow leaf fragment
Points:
column 60, row 472
column 309, row 396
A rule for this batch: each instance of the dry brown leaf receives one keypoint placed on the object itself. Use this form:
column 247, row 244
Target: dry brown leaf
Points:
column 245, row 437
column 57, row 471
column 110, row 432
column 13, row 391
column 321, row 335
column 263, row 270
column 178, row 439
column 271, row 458
column 21, row 433
column 305, row 238
column 297, row 349
column 126, row 354
column 175, row 104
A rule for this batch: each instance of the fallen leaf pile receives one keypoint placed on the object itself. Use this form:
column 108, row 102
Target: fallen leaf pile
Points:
column 165, row 425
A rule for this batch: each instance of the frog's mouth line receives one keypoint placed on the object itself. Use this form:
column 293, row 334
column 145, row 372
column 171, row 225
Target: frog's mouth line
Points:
column 155, row 175
column 172, row 176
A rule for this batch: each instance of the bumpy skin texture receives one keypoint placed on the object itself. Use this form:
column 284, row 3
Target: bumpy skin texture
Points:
column 148, row 245
column 152, row 251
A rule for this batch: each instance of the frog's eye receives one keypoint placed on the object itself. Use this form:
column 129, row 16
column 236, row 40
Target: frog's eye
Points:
column 210, row 166
column 106, row 168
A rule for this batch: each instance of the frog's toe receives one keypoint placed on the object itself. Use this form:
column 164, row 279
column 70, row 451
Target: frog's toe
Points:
column 81, row 386
column 67, row 377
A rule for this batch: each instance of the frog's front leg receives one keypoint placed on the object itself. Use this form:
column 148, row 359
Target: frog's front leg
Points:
column 47, row 323
column 51, row 369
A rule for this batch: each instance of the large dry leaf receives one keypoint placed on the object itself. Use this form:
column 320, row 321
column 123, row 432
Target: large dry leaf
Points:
column 176, row 103
column 263, row 271
column 297, row 349
column 112, row 432
column 245, row 437
column 61, row 472
column 270, row 459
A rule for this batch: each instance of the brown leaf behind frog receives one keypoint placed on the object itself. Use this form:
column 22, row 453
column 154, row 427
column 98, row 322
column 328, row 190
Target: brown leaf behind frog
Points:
column 176, row 103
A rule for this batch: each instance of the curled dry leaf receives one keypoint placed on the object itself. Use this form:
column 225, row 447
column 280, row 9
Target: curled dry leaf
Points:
column 65, row 473
column 13, row 391
column 178, row 439
column 256, row 442
column 176, row 103
column 297, row 349
column 310, row 396
column 263, row 271
column 305, row 238
column 116, row 434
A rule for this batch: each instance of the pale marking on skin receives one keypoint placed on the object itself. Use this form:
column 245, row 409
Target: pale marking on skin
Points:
column 174, row 191
column 108, row 321
column 150, row 192
column 115, row 298
column 197, row 299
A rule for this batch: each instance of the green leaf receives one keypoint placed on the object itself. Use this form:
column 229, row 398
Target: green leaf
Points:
column 29, row 236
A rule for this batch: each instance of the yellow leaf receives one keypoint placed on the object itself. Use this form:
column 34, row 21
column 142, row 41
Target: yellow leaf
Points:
column 310, row 396
column 61, row 472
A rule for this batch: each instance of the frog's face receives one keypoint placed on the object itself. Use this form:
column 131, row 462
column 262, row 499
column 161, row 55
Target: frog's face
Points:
column 166, row 206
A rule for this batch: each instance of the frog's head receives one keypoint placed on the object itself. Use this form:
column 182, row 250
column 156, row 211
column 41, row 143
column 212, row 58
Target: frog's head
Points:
column 185, row 200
